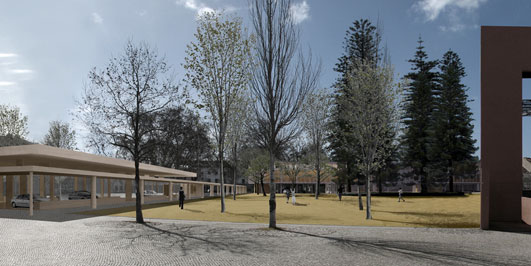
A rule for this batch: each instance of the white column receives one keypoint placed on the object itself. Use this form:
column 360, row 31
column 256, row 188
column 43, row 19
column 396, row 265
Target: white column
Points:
column 141, row 191
column 30, row 183
column 93, row 203
column 170, row 191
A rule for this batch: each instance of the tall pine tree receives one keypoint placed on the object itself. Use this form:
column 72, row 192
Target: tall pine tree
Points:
column 419, row 105
column 452, row 123
column 362, row 43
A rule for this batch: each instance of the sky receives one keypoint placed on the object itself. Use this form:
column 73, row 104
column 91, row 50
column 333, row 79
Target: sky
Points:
column 47, row 48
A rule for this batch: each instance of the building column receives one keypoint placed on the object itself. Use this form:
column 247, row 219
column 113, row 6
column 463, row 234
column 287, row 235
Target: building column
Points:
column 102, row 188
column 52, row 183
column 152, row 186
column 76, row 186
column 128, row 189
column 202, row 191
column 170, row 191
column 141, row 191
column 108, row 187
column 2, row 188
column 30, row 181
column 42, row 187
column 9, row 190
column 93, row 188
column 212, row 190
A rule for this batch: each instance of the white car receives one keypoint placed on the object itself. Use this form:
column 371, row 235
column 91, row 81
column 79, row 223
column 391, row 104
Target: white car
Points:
column 22, row 200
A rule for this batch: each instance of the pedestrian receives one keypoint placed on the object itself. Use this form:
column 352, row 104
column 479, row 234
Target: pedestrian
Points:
column 287, row 195
column 400, row 195
column 181, row 198
column 293, row 196
column 340, row 191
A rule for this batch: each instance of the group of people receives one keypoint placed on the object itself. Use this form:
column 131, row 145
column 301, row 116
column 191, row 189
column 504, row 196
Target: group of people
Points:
column 290, row 192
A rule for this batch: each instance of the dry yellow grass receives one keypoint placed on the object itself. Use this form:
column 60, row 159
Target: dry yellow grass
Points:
column 328, row 210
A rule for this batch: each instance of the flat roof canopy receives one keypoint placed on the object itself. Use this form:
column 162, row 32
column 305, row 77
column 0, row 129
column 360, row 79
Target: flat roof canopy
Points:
column 51, row 160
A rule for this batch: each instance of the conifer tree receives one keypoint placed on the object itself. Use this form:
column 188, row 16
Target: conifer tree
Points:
column 419, row 105
column 452, row 122
column 362, row 44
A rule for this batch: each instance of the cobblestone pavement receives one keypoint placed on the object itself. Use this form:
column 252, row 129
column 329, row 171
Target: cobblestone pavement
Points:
column 120, row 241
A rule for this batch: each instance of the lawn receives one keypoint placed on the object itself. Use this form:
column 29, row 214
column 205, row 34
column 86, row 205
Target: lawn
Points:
column 456, row 212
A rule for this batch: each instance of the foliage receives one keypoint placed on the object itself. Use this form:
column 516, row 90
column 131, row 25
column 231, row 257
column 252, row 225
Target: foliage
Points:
column 61, row 135
column 361, row 44
column 452, row 122
column 181, row 141
column 372, row 112
column 257, row 167
column 419, row 105
column 218, row 65
column 12, row 122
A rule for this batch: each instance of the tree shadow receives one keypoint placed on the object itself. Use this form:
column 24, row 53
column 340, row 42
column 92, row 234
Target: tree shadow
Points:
column 187, row 239
column 427, row 214
column 431, row 252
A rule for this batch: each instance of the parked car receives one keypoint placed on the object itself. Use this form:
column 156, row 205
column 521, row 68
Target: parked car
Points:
column 82, row 194
column 149, row 192
column 22, row 200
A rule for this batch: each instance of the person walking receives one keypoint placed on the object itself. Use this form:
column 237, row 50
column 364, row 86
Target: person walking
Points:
column 340, row 192
column 181, row 198
column 287, row 195
column 293, row 196
column 400, row 195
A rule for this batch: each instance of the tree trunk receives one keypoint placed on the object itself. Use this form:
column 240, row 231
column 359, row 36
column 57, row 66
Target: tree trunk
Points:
column 318, row 168
column 272, row 201
column 360, row 201
column 221, row 175
column 349, row 182
column 139, row 216
column 368, row 196
column 380, row 182
column 235, row 171
column 263, row 188
column 451, row 177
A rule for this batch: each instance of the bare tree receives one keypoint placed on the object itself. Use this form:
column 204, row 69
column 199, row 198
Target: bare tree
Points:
column 279, row 83
column 118, row 102
column 315, row 120
column 373, row 111
column 61, row 135
column 217, row 67
column 236, row 130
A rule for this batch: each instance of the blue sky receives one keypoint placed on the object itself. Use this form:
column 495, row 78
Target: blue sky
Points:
column 47, row 48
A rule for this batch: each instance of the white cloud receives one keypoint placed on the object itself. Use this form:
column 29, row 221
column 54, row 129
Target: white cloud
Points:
column 196, row 6
column 300, row 12
column 21, row 71
column 96, row 18
column 433, row 8
column 457, row 15
column 6, row 83
column 7, row 55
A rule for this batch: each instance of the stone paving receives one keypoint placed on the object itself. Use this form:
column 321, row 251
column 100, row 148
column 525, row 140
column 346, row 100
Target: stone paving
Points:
column 120, row 241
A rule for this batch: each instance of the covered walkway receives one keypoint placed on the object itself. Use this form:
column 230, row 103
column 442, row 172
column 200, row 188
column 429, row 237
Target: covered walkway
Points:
column 38, row 169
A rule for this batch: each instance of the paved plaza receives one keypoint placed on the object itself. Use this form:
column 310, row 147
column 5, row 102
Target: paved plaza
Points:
column 104, row 240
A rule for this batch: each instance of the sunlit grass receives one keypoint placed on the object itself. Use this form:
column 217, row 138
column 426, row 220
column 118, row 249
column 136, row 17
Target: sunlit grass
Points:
column 458, row 211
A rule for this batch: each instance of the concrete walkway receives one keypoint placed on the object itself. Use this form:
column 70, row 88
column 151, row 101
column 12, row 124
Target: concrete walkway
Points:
column 120, row 241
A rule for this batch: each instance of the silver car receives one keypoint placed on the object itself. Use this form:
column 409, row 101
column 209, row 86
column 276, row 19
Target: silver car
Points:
column 22, row 200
